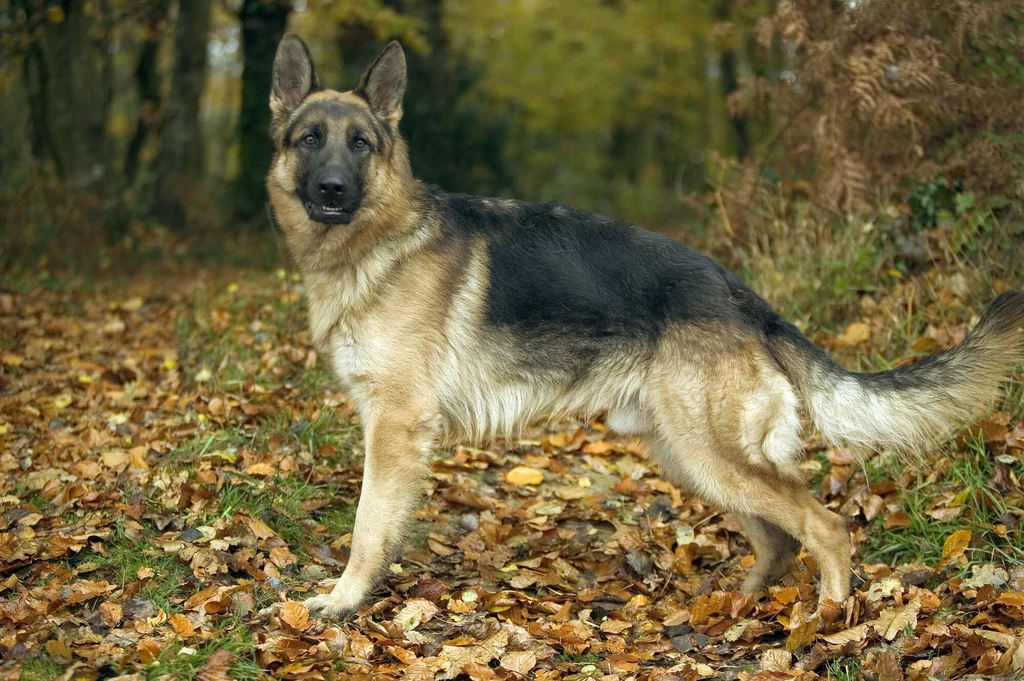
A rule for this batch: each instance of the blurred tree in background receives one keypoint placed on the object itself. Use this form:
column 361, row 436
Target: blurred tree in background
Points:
column 180, row 163
column 67, row 69
column 667, row 113
column 263, row 25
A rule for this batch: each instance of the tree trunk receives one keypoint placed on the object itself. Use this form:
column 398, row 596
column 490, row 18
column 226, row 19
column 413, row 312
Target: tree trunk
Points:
column 68, row 97
column 148, row 83
column 181, row 159
column 730, row 83
column 263, row 25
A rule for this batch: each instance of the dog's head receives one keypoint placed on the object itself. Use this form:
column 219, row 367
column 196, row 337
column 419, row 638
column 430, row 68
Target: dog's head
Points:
column 335, row 151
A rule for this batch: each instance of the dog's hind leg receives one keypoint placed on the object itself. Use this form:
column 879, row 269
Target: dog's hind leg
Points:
column 397, row 445
column 775, row 510
column 726, row 428
column 774, row 550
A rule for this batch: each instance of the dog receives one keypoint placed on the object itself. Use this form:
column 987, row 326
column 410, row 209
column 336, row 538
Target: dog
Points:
column 450, row 318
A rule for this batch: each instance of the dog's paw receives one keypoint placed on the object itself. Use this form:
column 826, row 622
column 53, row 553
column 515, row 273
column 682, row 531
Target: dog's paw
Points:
column 265, row 614
column 829, row 611
column 753, row 584
column 326, row 607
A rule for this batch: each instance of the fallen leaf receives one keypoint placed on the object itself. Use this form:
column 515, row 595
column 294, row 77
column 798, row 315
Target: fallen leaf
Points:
column 894, row 620
column 261, row 469
column 1012, row 598
column 955, row 545
column 888, row 666
column 456, row 659
column 295, row 615
column 116, row 458
column 149, row 650
column 216, row 667
column 598, row 447
column 261, row 529
column 519, row 661
column 59, row 648
column 803, row 634
column 776, row 660
column 61, row 402
column 524, row 475
column 986, row 573
column 897, row 519
column 111, row 613
column 851, row 635
column 415, row 612
column 855, row 334
column 182, row 626
column 360, row 646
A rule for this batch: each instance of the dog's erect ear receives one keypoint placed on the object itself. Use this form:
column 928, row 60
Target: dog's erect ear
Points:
column 294, row 76
column 383, row 84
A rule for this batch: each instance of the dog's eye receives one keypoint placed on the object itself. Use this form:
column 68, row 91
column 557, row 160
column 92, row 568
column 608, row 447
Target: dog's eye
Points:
column 359, row 143
column 309, row 140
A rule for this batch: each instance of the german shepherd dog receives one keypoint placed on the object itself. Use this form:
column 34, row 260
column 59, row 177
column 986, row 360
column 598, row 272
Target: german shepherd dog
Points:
column 452, row 319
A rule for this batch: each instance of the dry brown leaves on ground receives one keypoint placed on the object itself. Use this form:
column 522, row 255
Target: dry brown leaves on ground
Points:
column 177, row 478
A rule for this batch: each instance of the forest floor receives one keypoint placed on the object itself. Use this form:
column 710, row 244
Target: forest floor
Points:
column 175, row 461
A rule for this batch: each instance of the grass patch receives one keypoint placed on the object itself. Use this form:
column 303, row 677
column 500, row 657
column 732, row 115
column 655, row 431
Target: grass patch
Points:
column 280, row 504
column 843, row 669
column 967, row 475
column 586, row 658
column 327, row 430
column 230, row 334
column 815, row 273
column 125, row 556
column 176, row 662
column 32, row 497
column 200, row 344
column 40, row 667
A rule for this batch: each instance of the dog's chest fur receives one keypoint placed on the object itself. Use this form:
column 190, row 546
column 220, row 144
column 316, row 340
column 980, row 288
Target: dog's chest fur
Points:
column 415, row 319
column 485, row 315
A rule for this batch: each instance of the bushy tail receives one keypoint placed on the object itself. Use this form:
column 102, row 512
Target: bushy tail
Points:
column 914, row 405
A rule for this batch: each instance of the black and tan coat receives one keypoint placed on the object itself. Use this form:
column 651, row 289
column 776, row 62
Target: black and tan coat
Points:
column 451, row 318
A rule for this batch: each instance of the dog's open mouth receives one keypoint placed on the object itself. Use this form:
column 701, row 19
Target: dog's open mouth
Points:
column 332, row 215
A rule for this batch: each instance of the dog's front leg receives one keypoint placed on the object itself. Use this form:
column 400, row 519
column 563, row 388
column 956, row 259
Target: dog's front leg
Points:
column 397, row 448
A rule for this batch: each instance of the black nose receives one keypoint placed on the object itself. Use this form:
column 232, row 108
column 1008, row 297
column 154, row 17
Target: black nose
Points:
column 332, row 188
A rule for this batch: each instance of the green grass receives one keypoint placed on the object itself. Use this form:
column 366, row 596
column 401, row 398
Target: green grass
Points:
column 1015, row 398
column 203, row 345
column 125, row 556
column 233, row 354
column 40, row 667
column 967, row 475
column 814, row 273
column 28, row 496
column 328, row 429
column 843, row 669
column 234, row 357
column 174, row 663
column 278, row 502
column 586, row 658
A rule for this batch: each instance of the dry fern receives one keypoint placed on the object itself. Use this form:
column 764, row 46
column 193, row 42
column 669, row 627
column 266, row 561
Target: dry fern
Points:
column 882, row 92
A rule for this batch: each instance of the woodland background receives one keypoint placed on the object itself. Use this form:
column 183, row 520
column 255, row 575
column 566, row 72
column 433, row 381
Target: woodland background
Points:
column 177, row 470
column 157, row 111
